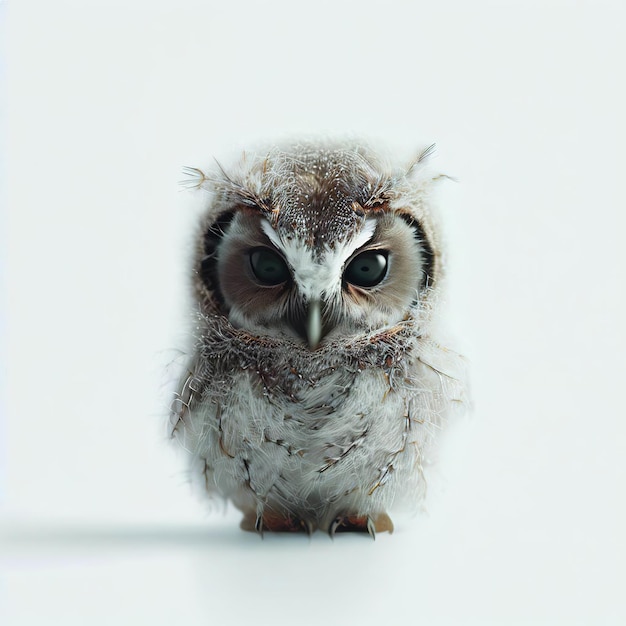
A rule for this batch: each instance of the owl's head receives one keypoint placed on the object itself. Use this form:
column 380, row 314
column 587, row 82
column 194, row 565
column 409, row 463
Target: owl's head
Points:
column 314, row 243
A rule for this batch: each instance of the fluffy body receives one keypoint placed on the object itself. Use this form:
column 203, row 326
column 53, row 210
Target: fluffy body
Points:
column 298, row 435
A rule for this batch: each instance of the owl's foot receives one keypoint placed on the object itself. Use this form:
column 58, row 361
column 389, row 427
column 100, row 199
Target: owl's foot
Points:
column 275, row 522
column 361, row 523
column 286, row 523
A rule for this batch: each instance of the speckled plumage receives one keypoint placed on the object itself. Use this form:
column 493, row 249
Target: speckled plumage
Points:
column 327, row 433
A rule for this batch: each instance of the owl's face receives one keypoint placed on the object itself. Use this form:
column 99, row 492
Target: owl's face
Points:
column 311, row 246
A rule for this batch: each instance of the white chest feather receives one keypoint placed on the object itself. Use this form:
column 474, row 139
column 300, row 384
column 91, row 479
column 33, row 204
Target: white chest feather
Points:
column 341, row 440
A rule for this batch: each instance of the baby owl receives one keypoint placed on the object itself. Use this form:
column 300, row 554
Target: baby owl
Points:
column 316, row 381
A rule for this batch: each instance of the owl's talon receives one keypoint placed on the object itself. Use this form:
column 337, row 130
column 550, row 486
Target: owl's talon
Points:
column 361, row 523
column 258, row 525
column 371, row 527
column 348, row 523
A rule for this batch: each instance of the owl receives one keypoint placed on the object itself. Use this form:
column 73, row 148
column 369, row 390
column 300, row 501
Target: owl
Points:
column 316, row 383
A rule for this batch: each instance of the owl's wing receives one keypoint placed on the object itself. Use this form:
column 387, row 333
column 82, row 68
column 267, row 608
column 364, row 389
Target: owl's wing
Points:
column 185, row 397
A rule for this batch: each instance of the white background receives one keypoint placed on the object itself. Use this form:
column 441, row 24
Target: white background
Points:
column 108, row 100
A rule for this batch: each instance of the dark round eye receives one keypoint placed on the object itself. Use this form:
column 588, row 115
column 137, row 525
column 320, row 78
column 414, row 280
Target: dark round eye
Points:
column 367, row 269
column 268, row 266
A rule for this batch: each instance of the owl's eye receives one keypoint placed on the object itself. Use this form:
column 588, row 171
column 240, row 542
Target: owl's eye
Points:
column 367, row 269
column 268, row 266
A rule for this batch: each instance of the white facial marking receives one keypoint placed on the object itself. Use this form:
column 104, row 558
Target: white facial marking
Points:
column 272, row 235
column 315, row 279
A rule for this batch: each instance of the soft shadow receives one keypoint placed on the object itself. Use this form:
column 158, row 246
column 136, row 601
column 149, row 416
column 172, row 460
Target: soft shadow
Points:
column 30, row 536
column 25, row 535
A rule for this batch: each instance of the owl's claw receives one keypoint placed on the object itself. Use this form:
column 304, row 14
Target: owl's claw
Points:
column 333, row 527
column 361, row 523
column 307, row 526
column 371, row 527
column 352, row 523
column 258, row 525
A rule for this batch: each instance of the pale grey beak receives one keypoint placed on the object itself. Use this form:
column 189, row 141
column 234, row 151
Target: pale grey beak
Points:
column 314, row 323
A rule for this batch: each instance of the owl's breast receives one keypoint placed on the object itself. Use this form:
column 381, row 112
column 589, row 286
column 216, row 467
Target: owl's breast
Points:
column 297, row 437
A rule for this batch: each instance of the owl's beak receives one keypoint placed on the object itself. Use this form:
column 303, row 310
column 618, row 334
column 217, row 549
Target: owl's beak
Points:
column 314, row 323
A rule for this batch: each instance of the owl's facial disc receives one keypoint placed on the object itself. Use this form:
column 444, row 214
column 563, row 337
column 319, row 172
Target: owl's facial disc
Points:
column 317, row 277
column 277, row 284
column 320, row 275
